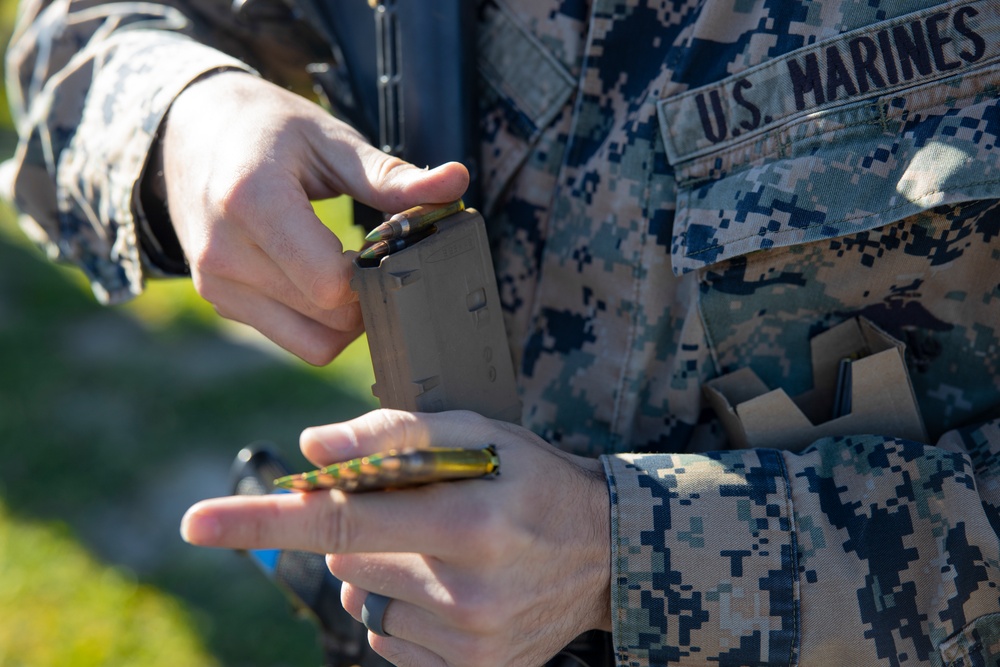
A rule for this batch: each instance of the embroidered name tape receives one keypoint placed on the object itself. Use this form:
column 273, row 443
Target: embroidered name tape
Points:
column 862, row 64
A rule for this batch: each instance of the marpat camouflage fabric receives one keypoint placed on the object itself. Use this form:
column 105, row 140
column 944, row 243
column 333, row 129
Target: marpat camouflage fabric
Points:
column 678, row 189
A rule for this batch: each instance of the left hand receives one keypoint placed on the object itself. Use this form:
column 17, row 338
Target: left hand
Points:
column 495, row 571
column 242, row 160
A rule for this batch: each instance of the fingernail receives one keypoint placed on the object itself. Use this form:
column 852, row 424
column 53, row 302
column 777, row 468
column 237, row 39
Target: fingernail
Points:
column 199, row 528
column 420, row 173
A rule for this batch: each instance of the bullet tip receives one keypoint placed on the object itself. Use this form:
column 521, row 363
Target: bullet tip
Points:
column 378, row 233
column 371, row 252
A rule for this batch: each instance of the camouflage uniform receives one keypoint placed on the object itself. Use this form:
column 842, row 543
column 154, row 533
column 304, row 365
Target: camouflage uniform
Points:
column 679, row 189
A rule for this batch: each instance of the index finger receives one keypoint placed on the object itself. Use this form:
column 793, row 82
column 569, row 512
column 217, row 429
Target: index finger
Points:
column 422, row 520
column 281, row 221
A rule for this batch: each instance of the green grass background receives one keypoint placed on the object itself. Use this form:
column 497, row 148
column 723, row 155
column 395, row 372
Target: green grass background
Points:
column 112, row 422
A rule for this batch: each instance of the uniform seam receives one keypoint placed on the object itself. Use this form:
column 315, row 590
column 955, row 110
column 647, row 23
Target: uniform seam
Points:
column 634, row 317
column 845, row 219
column 515, row 160
column 616, row 519
column 706, row 334
column 627, row 359
column 794, row 649
column 784, row 144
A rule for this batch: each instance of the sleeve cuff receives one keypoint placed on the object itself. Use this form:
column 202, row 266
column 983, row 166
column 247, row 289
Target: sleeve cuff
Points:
column 99, row 172
column 703, row 559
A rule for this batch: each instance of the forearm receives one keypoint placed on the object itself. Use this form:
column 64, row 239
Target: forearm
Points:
column 855, row 551
column 87, row 116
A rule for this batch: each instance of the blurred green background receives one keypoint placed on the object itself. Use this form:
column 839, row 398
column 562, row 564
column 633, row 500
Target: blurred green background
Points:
column 112, row 422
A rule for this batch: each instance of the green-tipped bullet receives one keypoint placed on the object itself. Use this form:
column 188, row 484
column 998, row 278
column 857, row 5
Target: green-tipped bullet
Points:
column 382, row 248
column 389, row 246
column 412, row 220
column 396, row 469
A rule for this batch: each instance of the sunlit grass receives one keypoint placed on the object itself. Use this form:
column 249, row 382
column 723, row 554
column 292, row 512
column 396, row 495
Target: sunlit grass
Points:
column 58, row 606
column 110, row 413
column 165, row 301
column 120, row 431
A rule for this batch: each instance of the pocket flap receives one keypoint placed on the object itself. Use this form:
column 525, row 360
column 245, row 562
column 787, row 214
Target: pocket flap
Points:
column 531, row 83
column 838, row 137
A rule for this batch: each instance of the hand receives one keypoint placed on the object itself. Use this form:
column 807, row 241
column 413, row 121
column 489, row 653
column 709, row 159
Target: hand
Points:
column 495, row 571
column 242, row 159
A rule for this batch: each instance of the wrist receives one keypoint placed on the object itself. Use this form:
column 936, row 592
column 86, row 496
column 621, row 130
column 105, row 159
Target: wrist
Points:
column 157, row 236
column 155, row 230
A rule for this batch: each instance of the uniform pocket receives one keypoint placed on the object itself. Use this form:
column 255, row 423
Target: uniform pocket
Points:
column 839, row 137
column 525, row 88
column 976, row 644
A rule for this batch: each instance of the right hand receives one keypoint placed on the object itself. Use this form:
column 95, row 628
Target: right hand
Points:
column 242, row 159
column 503, row 571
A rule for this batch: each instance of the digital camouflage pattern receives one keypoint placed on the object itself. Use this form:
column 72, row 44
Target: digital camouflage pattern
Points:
column 677, row 190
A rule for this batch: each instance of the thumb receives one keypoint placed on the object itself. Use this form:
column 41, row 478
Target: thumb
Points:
column 373, row 432
column 381, row 430
column 390, row 184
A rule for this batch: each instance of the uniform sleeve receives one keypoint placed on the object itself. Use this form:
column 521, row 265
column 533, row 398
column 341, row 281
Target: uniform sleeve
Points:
column 89, row 84
column 859, row 550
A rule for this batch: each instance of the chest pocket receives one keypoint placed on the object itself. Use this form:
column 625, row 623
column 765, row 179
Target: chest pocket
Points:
column 839, row 137
column 524, row 88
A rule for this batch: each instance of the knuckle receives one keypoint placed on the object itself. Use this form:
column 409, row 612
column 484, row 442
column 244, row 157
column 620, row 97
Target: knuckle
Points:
column 386, row 181
column 222, row 311
column 472, row 419
column 318, row 355
column 212, row 259
column 485, row 537
column 200, row 280
column 239, row 200
column 308, row 353
column 214, row 293
column 347, row 318
column 477, row 428
column 476, row 650
column 492, row 537
column 334, row 529
column 321, row 346
column 388, row 168
column 352, row 598
column 262, row 532
column 403, row 424
column 394, row 653
column 481, row 620
column 330, row 289
column 347, row 598
column 484, row 655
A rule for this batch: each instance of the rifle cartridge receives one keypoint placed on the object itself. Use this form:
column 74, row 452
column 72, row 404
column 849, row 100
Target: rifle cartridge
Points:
column 398, row 469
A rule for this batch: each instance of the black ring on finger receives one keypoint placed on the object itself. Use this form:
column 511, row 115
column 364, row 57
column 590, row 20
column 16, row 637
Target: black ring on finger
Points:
column 373, row 613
